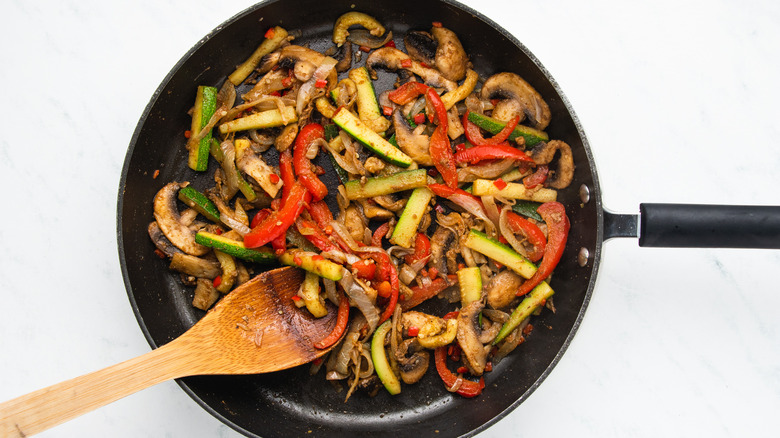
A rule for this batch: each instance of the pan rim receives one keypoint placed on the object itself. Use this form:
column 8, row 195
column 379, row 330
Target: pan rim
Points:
column 595, row 197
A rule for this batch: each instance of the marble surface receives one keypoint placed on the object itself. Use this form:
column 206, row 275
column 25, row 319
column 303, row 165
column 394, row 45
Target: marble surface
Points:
column 678, row 99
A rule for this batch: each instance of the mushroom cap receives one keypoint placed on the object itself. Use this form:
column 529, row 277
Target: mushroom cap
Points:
column 507, row 85
column 168, row 218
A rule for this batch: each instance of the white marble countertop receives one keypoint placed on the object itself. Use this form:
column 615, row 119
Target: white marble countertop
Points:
column 678, row 99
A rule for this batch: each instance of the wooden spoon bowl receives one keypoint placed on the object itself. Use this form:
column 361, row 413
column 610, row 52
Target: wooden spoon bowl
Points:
column 254, row 329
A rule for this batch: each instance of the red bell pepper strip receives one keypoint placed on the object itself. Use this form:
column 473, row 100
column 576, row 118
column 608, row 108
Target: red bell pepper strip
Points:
column 440, row 149
column 280, row 244
column 490, row 152
column 531, row 232
column 468, row 388
column 474, row 135
column 279, row 221
column 554, row 214
column 365, row 268
column 407, row 92
column 259, row 217
column 302, row 164
column 536, row 178
column 422, row 249
column 286, row 171
column 383, row 261
column 314, row 234
column 379, row 233
column 321, row 214
column 422, row 293
column 341, row 325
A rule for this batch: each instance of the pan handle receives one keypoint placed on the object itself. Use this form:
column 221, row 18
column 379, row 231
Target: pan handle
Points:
column 709, row 226
column 698, row 226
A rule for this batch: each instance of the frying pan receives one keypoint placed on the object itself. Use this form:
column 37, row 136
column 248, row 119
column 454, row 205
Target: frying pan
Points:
column 292, row 403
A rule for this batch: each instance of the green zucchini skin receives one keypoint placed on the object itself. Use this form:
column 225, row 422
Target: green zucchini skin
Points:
column 199, row 202
column 494, row 126
column 385, row 185
column 234, row 248
column 357, row 129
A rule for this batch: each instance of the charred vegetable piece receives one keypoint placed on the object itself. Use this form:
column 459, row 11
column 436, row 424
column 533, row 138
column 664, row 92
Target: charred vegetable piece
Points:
column 494, row 126
column 381, row 364
column 385, row 185
column 205, row 106
column 234, row 248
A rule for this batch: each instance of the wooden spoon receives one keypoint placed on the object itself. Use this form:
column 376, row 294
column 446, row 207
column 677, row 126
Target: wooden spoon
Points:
column 255, row 329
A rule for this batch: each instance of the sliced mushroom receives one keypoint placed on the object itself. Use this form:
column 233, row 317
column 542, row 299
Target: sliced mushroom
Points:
column 160, row 241
column 510, row 86
column 412, row 360
column 412, row 142
column 390, row 58
column 364, row 38
column 469, row 333
column 353, row 220
column 390, row 202
column 270, row 82
column 195, row 266
column 544, row 153
column 205, row 294
column 502, row 288
column 421, row 46
column 168, row 218
column 345, row 21
column 443, row 243
column 344, row 55
column 451, row 59
column 286, row 137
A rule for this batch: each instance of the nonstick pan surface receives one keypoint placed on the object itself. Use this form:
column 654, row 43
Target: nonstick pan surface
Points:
column 292, row 403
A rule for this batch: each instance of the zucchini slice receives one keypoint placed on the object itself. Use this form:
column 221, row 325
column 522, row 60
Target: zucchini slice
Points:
column 385, row 185
column 312, row 262
column 234, row 248
column 364, row 134
column 535, row 299
column 406, row 229
column 470, row 283
column 487, row 187
column 205, row 106
column 379, row 356
column 499, row 252
column 494, row 126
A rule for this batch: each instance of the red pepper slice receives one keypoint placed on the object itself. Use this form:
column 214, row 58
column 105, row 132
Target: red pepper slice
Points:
column 302, row 164
column 383, row 260
column 422, row 293
column 440, row 149
column 422, row 249
column 554, row 214
column 491, row 152
column 279, row 221
column 269, row 33
column 280, row 244
column 379, row 233
column 500, row 184
column 259, row 217
column 314, row 234
column 407, row 92
column 341, row 324
column 286, row 171
column 536, row 178
column 365, row 268
column 321, row 214
column 474, row 135
column 468, row 388
column 531, row 232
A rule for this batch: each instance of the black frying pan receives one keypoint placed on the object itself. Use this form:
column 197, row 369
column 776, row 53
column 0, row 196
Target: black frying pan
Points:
column 292, row 403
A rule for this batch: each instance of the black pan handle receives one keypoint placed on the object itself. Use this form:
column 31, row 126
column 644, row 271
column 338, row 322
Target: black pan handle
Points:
column 699, row 226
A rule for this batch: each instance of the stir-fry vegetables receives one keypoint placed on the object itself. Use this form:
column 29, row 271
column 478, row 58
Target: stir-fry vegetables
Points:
column 447, row 185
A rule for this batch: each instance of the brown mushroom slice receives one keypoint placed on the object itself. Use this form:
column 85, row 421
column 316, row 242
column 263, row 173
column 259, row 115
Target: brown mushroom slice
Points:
column 170, row 221
column 205, row 294
column 451, row 60
column 390, row 58
column 412, row 360
column 442, row 242
column 508, row 85
column 421, row 46
column 502, row 288
column 543, row 153
column 195, row 266
column 344, row 56
column 474, row 352
column 414, row 144
column 160, row 241
column 433, row 331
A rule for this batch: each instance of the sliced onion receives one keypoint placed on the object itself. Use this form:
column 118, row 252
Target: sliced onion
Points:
column 308, row 89
column 228, row 166
column 330, row 291
column 363, row 37
column 484, row 171
column 491, row 209
column 361, row 299
column 227, row 217
column 456, row 386
column 506, row 231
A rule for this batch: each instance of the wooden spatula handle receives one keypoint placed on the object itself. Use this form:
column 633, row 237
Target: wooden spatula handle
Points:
column 37, row 411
